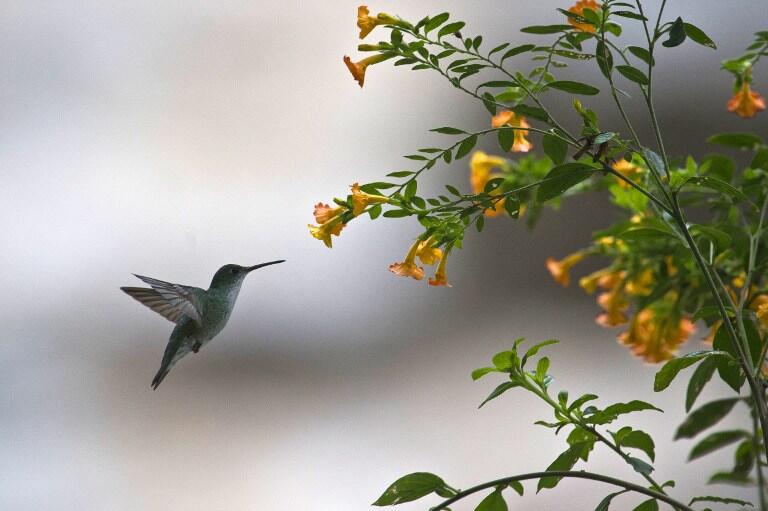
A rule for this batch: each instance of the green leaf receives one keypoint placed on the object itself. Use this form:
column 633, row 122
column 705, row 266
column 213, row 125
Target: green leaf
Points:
column 639, row 465
column 700, row 378
column 450, row 28
column 676, row 34
column 499, row 391
column 561, row 178
column 482, row 371
column 648, row 505
column 604, row 58
column 639, row 440
column 641, row 53
column 517, row 50
column 531, row 111
column 374, row 211
column 729, row 370
column 546, row 29
column 409, row 488
column 541, row 368
column 697, row 35
column 518, row 487
column 671, row 369
column 447, row 130
column 565, row 461
column 435, row 22
column 410, row 190
column 612, row 412
column 720, row 500
column 722, row 240
column 493, row 502
column 555, row 148
column 606, row 502
column 506, row 138
column 533, row 350
column 654, row 161
column 704, row 417
column 640, row 234
column 633, row 74
column 574, row 87
column 466, row 146
column 715, row 184
column 715, row 441
column 397, row 213
column 746, row 141
column 580, row 401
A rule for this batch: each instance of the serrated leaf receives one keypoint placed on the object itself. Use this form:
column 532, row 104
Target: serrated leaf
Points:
column 705, row 417
column 409, row 488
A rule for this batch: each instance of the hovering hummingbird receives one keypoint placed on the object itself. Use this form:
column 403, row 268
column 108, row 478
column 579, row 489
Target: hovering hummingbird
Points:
column 199, row 314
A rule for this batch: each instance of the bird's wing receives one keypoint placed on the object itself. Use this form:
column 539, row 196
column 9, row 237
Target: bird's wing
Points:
column 172, row 301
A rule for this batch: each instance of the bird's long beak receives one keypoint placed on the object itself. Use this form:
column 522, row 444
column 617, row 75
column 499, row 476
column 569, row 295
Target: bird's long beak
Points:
column 255, row 267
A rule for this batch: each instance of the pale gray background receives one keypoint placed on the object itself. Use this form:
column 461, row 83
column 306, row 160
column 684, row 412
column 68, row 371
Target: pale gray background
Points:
column 168, row 138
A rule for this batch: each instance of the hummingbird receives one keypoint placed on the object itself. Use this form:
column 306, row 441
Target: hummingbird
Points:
column 199, row 314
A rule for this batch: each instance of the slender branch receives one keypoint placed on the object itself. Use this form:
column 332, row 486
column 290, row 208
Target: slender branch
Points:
column 758, row 464
column 563, row 473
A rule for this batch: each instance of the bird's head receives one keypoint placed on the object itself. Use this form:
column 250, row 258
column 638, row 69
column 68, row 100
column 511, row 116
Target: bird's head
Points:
column 234, row 274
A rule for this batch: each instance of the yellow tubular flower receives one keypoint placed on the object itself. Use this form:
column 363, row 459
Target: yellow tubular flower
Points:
column 508, row 118
column 746, row 103
column 409, row 268
column 760, row 305
column 589, row 283
column 561, row 270
column 324, row 231
column 480, row 167
column 615, row 304
column 641, row 284
column 441, row 279
column 367, row 23
column 358, row 68
column 361, row 200
column 324, row 213
column 654, row 337
column 578, row 9
column 427, row 253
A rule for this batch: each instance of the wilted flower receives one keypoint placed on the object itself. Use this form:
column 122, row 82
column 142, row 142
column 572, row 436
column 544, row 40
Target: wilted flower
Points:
column 409, row 268
column 578, row 9
column 508, row 118
column 561, row 270
column 746, row 103
column 358, row 68
column 480, row 167
column 441, row 279
column 655, row 337
column 361, row 200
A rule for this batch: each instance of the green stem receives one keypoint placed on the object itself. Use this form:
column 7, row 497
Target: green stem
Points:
column 758, row 464
column 563, row 473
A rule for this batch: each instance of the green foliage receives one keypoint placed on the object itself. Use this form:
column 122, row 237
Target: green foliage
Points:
column 413, row 487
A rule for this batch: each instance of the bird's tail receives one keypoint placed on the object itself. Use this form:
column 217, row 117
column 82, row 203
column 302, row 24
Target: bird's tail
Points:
column 160, row 376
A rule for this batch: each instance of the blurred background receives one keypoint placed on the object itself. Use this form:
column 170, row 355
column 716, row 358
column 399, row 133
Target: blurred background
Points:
column 169, row 138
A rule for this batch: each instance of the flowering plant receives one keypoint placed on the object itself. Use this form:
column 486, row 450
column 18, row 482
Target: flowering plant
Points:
column 663, row 272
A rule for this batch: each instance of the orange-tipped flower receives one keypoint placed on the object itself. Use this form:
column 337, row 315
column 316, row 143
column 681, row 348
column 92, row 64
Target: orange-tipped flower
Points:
column 759, row 304
column 615, row 304
column 367, row 23
column 561, row 270
column 324, row 213
column 330, row 223
column 589, row 283
column 361, row 200
column 578, row 9
column 656, row 337
column 641, row 284
column 480, row 167
column 441, row 278
column 409, row 268
column 746, row 103
column 508, row 118
column 358, row 68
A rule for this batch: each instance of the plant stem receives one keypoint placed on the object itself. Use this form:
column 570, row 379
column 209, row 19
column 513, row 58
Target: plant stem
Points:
column 758, row 462
column 563, row 473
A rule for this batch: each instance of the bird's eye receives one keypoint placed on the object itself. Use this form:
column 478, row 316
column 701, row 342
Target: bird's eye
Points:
column 233, row 270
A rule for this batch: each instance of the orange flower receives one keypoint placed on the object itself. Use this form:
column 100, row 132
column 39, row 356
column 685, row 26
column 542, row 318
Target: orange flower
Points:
column 358, row 68
column 589, row 283
column 427, row 253
column 746, row 103
column 561, row 270
column 628, row 170
column 409, row 268
column 508, row 118
column 367, row 23
column 480, row 167
column 361, row 200
column 578, row 9
column 760, row 305
column 615, row 304
column 656, row 337
column 641, row 283
column 324, row 212
column 441, row 279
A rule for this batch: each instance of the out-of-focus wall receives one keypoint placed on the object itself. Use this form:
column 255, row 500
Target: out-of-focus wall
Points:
column 169, row 138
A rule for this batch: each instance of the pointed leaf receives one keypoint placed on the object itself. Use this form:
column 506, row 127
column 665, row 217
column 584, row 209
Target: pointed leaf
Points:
column 410, row 487
column 715, row 441
column 493, row 502
column 700, row 378
column 499, row 391
column 704, row 417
